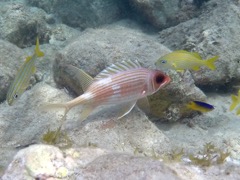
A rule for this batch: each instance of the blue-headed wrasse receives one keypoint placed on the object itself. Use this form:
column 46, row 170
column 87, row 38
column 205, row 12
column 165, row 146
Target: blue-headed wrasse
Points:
column 200, row 106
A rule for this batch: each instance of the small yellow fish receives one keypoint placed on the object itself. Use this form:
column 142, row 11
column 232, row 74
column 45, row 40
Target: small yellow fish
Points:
column 235, row 102
column 181, row 60
column 22, row 78
column 200, row 106
column 123, row 83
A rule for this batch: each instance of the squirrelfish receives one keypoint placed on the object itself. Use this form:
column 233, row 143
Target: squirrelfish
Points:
column 181, row 60
column 235, row 102
column 22, row 78
column 122, row 83
column 200, row 106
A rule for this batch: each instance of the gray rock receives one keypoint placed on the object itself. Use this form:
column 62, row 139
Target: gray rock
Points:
column 62, row 34
column 213, row 33
column 120, row 166
column 162, row 13
column 83, row 13
column 100, row 129
column 21, row 24
column 44, row 161
column 41, row 161
column 96, row 49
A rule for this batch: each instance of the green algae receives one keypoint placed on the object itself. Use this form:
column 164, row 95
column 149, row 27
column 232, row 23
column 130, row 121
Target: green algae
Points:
column 57, row 138
column 174, row 155
column 210, row 155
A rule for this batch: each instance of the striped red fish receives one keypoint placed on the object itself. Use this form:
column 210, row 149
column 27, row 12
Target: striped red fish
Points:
column 122, row 83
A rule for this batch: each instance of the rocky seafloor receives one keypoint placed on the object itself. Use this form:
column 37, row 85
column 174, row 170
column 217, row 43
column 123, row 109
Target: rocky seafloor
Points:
column 166, row 143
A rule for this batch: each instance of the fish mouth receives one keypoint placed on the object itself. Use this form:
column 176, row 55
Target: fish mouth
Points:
column 166, row 80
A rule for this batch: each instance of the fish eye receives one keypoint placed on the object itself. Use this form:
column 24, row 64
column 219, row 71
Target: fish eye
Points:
column 159, row 79
column 163, row 61
column 15, row 96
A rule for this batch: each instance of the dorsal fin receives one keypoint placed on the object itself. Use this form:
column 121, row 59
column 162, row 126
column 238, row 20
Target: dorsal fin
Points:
column 84, row 79
column 116, row 68
column 28, row 58
column 181, row 51
column 196, row 55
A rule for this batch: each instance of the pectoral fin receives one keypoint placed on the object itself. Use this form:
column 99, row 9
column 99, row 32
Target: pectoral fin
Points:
column 33, row 69
column 125, row 108
column 144, row 105
column 174, row 65
column 196, row 68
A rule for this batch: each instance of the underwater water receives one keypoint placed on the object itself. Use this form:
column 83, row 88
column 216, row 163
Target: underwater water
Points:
column 104, row 89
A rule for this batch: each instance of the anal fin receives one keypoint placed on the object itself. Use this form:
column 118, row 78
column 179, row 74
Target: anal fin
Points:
column 86, row 111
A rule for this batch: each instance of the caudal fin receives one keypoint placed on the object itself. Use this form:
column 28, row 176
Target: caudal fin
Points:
column 57, row 106
column 234, row 102
column 238, row 111
column 210, row 62
column 38, row 52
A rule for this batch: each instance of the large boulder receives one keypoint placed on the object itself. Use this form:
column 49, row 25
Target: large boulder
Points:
column 83, row 13
column 43, row 162
column 215, row 32
column 100, row 129
column 165, row 13
column 96, row 49
column 21, row 24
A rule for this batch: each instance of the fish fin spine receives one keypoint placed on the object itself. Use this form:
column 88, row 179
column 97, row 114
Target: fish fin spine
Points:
column 116, row 68
column 125, row 109
column 210, row 62
column 28, row 58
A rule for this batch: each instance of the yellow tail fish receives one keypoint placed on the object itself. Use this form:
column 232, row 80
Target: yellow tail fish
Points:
column 181, row 60
column 22, row 78
column 235, row 102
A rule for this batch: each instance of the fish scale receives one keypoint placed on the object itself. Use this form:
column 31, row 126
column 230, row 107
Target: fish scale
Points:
column 128, row 87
